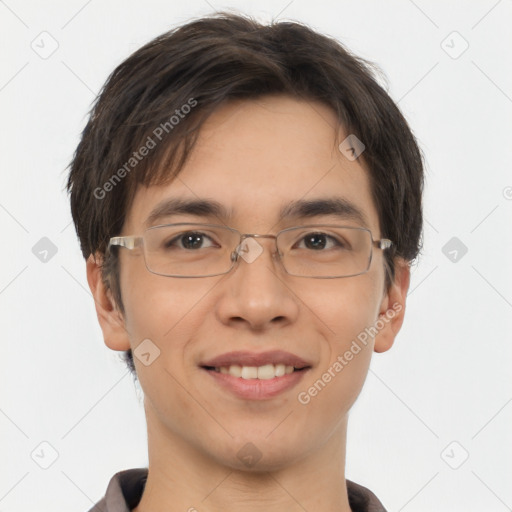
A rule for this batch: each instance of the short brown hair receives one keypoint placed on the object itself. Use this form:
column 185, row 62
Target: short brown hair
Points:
column 204, row 64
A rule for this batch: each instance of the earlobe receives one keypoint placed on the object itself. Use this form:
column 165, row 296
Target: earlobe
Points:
column 392, row 310
column 109, row 317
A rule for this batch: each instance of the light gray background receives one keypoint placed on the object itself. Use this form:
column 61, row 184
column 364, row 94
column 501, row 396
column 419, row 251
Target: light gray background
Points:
column 447, row 379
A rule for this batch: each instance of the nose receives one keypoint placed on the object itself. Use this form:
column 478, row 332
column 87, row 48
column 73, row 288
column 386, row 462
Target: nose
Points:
column 255, row 294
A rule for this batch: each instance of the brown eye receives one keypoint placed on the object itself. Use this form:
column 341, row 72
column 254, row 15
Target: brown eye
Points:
column 320, row 241
column 190, row 240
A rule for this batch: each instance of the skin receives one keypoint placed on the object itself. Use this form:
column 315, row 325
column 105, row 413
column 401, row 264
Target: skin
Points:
column 252, row 156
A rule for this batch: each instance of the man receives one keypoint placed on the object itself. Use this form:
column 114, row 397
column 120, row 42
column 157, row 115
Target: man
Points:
column 248, row 200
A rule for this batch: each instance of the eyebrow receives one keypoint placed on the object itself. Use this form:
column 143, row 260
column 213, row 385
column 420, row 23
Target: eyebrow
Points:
column 301, row 209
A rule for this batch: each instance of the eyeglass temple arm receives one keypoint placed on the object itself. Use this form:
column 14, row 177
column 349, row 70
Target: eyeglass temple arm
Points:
column 130, row 242
column 383, row 243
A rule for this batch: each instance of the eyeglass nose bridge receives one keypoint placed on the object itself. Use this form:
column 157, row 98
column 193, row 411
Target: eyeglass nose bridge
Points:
column 240, row 247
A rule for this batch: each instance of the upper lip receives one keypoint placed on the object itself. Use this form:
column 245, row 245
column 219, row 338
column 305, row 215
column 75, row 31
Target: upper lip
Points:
column 245, row 358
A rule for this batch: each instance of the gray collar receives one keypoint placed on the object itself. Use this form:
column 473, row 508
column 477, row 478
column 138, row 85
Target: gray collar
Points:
column 125, row 490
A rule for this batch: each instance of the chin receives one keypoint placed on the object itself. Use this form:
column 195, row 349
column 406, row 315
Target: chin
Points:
column 262, row 453
column 257, row 461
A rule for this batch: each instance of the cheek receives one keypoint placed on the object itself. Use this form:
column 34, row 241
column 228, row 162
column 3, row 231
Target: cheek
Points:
column 343, row 311
column 161, row 308
column 342, row 308
column 167, row 312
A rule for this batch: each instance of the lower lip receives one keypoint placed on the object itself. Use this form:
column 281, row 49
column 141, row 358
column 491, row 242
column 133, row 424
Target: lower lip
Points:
column 256, row 389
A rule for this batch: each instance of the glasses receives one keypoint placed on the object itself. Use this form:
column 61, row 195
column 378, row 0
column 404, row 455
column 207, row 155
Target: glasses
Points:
column 204, row 250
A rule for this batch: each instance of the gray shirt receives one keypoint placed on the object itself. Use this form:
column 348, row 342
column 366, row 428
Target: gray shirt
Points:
column 126, row 487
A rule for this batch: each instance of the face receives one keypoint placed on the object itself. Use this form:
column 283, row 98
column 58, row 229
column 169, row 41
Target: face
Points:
column 254, row 157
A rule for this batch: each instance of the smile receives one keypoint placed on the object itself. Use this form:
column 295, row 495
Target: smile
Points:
column 245, row 382
column 265, row 372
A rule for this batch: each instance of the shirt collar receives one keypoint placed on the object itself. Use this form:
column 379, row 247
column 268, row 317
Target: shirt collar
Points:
column 125, row 490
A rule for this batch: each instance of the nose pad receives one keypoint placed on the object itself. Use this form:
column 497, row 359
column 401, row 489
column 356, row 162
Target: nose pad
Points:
column 249, row 249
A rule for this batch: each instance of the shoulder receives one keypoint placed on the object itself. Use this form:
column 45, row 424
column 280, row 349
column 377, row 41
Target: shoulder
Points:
column 362, row 499
column 123, row 492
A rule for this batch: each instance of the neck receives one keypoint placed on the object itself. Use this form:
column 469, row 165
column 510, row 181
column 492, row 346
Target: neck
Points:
column 183, row 477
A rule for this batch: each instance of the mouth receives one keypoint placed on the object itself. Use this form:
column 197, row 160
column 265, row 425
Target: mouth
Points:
column 253, row 376
column 264, row 372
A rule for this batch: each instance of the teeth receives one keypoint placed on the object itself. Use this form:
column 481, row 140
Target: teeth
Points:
column 281, row 370
column 235, row 370
column 268, row 371
column 249, row 372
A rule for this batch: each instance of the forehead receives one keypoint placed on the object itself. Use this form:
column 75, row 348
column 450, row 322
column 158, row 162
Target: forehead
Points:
column 256, row 158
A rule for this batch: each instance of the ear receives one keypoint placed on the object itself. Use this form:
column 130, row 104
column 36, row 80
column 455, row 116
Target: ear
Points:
column 392, row 309
column 109, row 317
